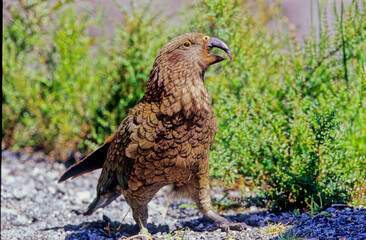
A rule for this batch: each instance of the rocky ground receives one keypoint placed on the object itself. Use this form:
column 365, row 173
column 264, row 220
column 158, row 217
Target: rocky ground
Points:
column 35, row 206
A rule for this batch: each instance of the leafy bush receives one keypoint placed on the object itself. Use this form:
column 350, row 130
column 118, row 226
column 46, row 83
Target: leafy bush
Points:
column 291, row 117
column 49, row 74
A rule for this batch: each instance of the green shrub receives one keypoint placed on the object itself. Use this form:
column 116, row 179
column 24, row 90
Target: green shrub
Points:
column 49, row 73
column 314, row 170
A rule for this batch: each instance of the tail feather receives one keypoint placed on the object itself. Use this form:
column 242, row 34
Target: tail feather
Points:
column 99, row 202
column 91, row 162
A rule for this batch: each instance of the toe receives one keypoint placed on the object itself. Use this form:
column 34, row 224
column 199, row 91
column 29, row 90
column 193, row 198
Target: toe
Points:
column 232, row 226
column 237, row 226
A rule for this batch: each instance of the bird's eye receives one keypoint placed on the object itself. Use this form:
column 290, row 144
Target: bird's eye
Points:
column 187, row 44
column 206, row 38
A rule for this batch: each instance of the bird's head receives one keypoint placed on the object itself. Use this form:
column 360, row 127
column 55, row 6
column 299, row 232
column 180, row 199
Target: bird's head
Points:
column 178, row 74
column 192, row 50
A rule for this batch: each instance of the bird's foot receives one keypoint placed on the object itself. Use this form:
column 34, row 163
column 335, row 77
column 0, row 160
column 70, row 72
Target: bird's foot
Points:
column 226, row 226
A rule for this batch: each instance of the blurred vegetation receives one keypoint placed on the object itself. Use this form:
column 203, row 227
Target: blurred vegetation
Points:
column 292, row 118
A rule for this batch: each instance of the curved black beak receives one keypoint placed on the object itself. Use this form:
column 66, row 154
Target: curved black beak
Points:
column 215, row 42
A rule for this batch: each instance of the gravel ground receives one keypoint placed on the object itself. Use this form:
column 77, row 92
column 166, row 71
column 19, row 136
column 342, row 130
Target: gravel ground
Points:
column 35, row 206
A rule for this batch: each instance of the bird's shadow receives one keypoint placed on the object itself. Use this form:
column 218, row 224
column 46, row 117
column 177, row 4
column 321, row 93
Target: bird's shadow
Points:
column 107, row 229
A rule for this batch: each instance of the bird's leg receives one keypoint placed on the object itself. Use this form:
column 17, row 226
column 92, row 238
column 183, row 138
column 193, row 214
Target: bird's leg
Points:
column 138, row 201
column 140, row 215
column 201, row 195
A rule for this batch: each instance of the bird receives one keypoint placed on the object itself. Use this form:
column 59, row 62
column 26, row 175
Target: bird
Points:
column 166, row 138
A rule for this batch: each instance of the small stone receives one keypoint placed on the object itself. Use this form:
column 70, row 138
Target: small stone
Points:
column 22, row 220
column 8, row 180
column 19, row 193
column 38, row 199
column 341, row 206
column 10, row 211
column 273, row 217
column 51, row 190
column 253, row 220
column 83, row 197
column 253, row 209
column 53, row 175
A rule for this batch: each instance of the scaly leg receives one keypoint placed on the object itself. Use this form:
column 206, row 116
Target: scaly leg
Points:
column 138, row 201
column 201, row 195
column 140, row 215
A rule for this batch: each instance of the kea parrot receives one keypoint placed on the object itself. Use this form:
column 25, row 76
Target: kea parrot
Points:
column 166, row 138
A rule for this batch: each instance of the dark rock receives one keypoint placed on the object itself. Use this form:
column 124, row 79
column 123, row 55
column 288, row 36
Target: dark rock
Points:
column 253, row 220
column 331, row 210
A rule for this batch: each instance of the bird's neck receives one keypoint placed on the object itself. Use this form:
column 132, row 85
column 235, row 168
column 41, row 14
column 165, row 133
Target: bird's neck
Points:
column 179, row 91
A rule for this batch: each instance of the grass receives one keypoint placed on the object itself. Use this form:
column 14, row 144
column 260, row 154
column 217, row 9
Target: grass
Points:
column 280, row 231
column 274, row 229
column 178, row 235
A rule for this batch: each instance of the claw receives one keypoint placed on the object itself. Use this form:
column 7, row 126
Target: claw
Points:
column 232, row 226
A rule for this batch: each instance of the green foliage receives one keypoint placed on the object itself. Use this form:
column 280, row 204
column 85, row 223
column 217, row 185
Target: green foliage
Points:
column 294, row 182
column 49, row 73
column 292, row 118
